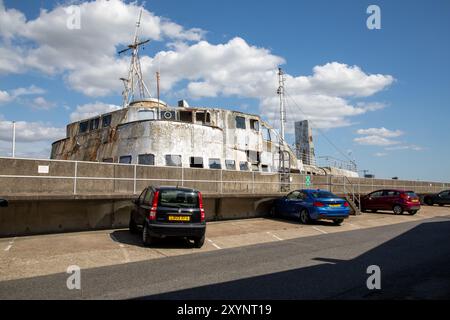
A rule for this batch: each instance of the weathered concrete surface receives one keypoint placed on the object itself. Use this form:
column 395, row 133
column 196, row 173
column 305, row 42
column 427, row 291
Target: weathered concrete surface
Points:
column 27, row 217
column 27, row 257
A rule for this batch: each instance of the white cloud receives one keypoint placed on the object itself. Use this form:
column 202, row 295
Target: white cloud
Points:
column 87, row 58
column 382, row 132
column 85, row 54
column 30, row 131
column 405, row 147
column 375, row 141
column 91, row 110
column 41, row 103
column 5, row 97
column 380, row 154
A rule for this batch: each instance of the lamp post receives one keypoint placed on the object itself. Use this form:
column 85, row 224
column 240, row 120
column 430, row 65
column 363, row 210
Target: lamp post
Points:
column 13, row 139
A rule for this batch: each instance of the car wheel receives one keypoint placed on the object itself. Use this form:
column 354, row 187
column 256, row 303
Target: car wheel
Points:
column 273, row 212
column 133, row 227
column 398, row 209
column 304, row 217
column 338, row 222
column 413, row 212
column 198, row 242
column 147, row 240
column 429, row 202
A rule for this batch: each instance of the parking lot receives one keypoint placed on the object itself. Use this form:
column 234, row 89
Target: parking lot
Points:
column 26, row 257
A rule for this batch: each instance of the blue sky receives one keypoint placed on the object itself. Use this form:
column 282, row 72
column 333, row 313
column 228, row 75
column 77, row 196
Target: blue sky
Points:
column 406, row 136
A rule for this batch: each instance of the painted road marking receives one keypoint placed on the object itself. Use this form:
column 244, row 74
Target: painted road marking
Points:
column 215, row 245
column 10, row 244
column 275, row 236
column 324, row 232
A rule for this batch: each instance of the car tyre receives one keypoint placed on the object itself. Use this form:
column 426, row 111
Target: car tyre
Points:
column 338, row 222
column 304, row 217
column 273, row 213
column 133, row 227
column 429, row 202
column 398, row 210
column 413, row 212
column 199, row 242
column 147, row 240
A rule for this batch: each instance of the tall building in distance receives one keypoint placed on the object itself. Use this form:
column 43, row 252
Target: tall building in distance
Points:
column 304, row 142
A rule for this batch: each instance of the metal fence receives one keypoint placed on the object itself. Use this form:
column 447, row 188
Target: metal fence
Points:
column 60, row 177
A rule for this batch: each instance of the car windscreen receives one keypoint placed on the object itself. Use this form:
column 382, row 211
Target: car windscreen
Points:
column 178, row 199
column 322, row 194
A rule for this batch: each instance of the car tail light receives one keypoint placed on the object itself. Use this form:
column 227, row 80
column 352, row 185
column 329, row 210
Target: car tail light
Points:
column 202, row 210
column 318, row 204
column 154, row 207
column 346, row 204
column 405, row 196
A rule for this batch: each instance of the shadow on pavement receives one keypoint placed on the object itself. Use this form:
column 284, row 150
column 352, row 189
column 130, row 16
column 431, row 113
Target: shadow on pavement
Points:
column 414, row 265
column 126, row 237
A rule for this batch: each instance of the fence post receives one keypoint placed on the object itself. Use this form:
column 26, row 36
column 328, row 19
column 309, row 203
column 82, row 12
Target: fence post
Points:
column 134, row 180
column 75, row 178
column 182, row 176
column 221, row 182
column 253, row 182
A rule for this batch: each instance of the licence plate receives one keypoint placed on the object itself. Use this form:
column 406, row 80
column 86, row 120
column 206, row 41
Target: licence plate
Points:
column 179, row 218
column 335, row 205
column 415, row 200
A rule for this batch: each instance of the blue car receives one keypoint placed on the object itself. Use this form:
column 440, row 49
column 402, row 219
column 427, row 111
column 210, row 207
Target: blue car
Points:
column 310, row 205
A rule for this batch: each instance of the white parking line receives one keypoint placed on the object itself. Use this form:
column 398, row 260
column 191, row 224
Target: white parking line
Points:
column 324, row 232
column 274, row 235
column 10, row 244
column 215, row 245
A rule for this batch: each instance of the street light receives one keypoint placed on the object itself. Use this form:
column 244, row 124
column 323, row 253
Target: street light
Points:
column 13, row 139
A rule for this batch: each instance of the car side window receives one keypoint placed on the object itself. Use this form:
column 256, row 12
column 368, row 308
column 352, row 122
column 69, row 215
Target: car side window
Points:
column 148, row 197
column 293, row 195
column 141, row 197
column 302, row 196
column 376, row 194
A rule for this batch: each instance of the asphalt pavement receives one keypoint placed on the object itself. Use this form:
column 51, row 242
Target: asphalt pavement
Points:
column 413, row 258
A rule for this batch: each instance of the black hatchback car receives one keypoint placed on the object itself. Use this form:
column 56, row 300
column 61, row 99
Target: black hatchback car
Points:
column 442, row 198
column 161, row 212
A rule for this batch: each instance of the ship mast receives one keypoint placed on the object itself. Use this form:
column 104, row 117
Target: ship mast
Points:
column 280, row 92
column 134, row 84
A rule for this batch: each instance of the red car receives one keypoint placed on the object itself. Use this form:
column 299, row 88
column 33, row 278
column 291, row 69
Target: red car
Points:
column 398, row 201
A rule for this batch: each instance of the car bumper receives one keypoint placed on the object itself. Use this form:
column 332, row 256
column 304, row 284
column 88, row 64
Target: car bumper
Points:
column 411, row 207
column 327, row 214
column 176, row 230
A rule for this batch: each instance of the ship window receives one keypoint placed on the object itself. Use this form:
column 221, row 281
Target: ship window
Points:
column 265, row 168
column 173, row 160
column 196, row 162
column 125, row 159
column 215, row 164
column 200, row 117
column 146, row 114
column 243, row 165
column 230, row 164
column 266, row 134
column 254, row 124
column 253, row 156
column 84, row 126
column 94, row 123
column 255, row 167
column 108, row 160
column 146, row 159
column 186, row 116
column 240, row 122
column 106, row 121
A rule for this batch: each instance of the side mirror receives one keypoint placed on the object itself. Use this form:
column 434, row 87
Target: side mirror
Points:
column 136, row 201
column 3, row 203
